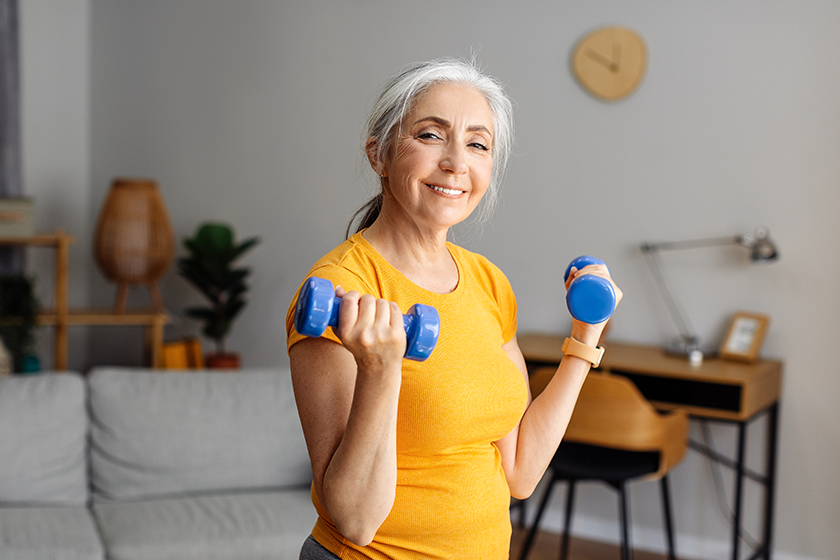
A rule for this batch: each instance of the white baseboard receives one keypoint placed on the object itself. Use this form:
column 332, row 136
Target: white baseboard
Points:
column 688, row 546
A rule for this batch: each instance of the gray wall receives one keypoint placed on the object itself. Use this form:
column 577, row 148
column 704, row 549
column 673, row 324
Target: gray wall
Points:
column 55, row 121
column 251, row 112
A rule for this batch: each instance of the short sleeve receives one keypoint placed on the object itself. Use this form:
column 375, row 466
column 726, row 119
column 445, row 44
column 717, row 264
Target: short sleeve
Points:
column 339, row 276
column 507, row 305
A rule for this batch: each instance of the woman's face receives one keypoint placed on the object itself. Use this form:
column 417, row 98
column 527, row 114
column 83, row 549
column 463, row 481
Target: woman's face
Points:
column 443, row 159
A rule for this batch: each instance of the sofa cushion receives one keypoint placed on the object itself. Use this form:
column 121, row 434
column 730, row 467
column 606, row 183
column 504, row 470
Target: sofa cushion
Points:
column 249, row 526
column 43, row 437
column 163, row 433
column 50, row 533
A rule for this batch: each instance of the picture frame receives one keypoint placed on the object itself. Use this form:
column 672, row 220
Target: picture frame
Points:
column 744, row 336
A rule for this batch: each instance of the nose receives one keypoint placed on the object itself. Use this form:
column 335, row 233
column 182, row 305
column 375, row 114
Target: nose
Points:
column 454, row 159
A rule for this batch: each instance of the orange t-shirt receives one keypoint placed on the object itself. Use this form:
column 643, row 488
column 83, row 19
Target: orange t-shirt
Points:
column 452, row 498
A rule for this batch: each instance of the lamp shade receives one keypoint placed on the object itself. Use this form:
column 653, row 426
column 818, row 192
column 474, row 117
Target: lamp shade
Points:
column 133, row 243
column 760, row 246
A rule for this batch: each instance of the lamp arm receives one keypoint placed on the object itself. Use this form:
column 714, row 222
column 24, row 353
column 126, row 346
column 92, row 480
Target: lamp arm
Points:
column 692, row 243
column 678, row 315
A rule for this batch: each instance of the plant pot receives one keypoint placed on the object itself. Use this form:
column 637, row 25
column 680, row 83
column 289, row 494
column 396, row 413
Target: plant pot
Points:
column 222, row 361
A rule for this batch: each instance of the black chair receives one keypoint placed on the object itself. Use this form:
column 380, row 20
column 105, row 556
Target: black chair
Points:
column 615, row 436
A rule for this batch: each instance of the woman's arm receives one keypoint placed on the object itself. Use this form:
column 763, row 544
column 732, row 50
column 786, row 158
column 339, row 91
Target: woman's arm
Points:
column 528, row 449
column 347, row 400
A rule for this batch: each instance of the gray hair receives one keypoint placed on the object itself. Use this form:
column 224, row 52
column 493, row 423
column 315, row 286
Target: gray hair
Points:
column 397, row 100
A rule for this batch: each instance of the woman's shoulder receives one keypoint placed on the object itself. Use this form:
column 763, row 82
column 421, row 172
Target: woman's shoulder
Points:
column 349, row 263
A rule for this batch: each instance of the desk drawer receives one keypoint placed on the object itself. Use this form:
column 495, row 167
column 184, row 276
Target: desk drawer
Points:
column 687, row 392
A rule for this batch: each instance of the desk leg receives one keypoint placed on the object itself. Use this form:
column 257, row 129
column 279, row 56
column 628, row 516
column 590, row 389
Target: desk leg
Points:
column 739, row 490
column 770, row 494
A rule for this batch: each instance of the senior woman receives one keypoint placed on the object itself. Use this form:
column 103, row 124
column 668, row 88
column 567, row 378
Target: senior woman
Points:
column 420, row 459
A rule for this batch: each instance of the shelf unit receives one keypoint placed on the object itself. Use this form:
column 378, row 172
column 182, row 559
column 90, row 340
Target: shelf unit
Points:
column 60, row 317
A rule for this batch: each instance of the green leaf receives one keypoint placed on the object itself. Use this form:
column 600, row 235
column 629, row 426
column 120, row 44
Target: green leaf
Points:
column 215, row 238
column 19, row 308
column 243, row 247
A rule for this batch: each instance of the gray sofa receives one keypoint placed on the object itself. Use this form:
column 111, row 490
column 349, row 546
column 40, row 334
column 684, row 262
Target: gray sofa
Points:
column 132, row 464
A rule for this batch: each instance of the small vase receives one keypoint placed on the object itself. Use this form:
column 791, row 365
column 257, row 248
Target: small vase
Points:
column 133, row 243
column 31, row 364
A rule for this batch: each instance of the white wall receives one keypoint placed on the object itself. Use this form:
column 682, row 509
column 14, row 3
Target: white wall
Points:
column 251, row 112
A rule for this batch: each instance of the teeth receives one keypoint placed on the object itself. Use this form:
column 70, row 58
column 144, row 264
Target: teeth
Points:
column 443, row 190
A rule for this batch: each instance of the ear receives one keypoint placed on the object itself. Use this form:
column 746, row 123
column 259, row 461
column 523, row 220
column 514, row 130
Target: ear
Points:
column 371, row 149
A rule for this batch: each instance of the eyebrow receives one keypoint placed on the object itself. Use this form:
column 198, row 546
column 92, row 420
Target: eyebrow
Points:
column 443, row 122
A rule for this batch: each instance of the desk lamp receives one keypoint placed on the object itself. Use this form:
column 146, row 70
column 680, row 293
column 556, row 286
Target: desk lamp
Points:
column 687, row 344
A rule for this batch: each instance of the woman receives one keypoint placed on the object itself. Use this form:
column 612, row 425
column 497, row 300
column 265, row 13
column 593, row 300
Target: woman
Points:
column 420, row 459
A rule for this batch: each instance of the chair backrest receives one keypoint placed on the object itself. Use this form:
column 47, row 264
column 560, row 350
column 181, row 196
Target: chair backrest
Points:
column 612, row 412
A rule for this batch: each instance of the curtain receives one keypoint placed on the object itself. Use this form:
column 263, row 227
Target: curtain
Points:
column 11, row 258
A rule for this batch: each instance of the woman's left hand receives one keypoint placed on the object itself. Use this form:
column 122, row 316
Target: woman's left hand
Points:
column 588, row 333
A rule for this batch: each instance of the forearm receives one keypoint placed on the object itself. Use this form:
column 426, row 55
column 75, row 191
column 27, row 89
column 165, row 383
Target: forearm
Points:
column 359, row 483
column 531, row 447
column 543, row 425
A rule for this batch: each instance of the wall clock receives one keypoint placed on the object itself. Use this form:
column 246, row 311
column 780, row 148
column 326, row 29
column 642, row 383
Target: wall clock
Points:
column 610, row 62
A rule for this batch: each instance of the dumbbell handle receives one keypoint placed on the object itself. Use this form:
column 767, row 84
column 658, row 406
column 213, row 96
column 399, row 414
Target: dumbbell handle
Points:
column 590, row 298
column 317, row 308
column 408, row 319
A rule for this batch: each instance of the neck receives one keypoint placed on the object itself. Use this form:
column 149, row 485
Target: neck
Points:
column 421, row 256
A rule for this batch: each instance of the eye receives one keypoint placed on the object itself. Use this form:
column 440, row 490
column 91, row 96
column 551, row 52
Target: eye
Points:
column 428, row 136
column 480, row 146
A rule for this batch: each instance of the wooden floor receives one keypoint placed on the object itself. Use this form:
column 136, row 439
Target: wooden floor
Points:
column 547, row 547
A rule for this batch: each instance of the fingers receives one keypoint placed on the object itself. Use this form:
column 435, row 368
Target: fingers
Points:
column 618, row 293
column 594, row 269
column 572, row 275
column 348, row 313
column 370, row 326
column 597, row 270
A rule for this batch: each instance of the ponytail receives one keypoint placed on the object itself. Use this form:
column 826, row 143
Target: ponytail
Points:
column 369, row 212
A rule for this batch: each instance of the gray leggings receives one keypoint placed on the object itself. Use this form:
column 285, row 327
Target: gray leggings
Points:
column 312, row 550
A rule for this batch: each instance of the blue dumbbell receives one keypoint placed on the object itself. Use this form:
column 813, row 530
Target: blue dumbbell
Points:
column 590, row 299
column 317, row 308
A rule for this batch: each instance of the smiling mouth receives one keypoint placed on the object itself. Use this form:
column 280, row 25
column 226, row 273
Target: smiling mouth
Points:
column 445, row 190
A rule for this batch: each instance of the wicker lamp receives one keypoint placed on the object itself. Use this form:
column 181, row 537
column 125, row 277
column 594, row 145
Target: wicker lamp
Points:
column 133, row 243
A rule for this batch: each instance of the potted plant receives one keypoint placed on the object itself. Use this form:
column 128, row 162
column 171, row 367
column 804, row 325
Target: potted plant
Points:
column 209, row 266
column 18, row 320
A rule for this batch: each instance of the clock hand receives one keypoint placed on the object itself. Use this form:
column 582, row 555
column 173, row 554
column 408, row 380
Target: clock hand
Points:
column 616, row 62
column 602, row 60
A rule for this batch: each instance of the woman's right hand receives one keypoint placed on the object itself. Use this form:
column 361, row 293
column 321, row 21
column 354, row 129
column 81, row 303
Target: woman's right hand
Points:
column 372, row 330
column 347, row 395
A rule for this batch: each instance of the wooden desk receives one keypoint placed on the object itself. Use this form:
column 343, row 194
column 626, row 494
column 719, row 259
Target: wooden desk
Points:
column 716, row 390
